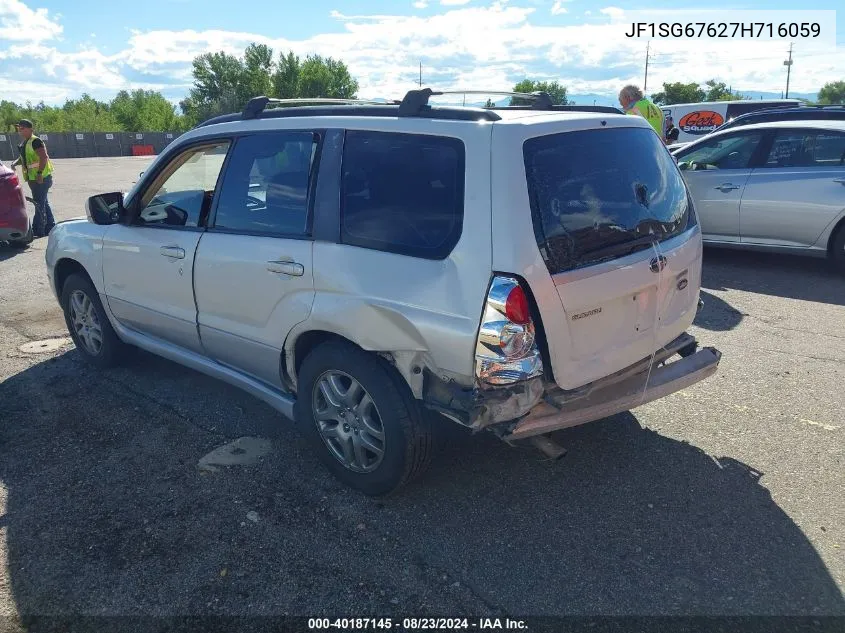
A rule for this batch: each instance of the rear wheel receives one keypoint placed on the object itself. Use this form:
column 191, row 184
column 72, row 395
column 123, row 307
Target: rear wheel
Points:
column 361, row 419
column 837, row 252
column 88, row 323
column 24, row 241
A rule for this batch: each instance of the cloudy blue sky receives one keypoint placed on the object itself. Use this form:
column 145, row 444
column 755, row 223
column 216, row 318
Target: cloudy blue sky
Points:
column 56, row 49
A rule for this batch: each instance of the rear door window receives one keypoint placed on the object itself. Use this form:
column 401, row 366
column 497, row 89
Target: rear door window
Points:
column 402, row 193
column 829, row 149
column 267, row 182
column 601, row 194
column 806, row 148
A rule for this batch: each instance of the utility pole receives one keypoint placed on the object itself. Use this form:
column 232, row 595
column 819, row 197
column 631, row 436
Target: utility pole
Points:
column 645, row 81
column 788, row 64
column 420, row 74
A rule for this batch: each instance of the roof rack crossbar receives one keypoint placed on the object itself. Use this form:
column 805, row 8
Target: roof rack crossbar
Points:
column 257, row 105
column 416, row 100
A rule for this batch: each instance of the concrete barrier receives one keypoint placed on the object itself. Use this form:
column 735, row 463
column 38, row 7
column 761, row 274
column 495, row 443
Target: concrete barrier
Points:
column 91, row 144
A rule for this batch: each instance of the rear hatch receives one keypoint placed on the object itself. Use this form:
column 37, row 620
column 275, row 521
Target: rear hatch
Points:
column 619, row 263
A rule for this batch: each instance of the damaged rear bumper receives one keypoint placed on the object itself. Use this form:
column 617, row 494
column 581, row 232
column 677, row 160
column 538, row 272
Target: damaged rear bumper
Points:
column 552, row 415
column 533, row 407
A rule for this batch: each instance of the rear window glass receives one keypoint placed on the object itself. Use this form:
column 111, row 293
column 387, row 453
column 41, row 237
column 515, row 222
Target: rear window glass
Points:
column 599, row 194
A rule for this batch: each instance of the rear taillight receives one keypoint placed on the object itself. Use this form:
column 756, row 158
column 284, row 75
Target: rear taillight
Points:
column 10, row 191
column 516, row 306
column 506, row 351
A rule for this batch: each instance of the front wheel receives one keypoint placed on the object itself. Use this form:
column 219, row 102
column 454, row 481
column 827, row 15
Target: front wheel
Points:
column 88, row 323
column 361, row 419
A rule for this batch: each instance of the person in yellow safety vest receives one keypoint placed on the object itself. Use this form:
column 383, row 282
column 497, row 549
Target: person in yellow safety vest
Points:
column 633, row 102
column 38, row 173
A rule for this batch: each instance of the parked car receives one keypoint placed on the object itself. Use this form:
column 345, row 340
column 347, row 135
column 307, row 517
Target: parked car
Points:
column 363, row 268
column 15, row 219
column 695, row 120
column 802, row 113
column 771, row 186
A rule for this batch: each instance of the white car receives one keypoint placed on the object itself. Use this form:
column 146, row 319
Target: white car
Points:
column 364, row 267
column 777, row 186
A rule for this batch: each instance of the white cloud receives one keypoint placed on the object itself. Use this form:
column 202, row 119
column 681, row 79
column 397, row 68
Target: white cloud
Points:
column 420, row 4
column 453, row 3
column 483, row 47
column 613, row 12
column 558, row 8
column 20, row 23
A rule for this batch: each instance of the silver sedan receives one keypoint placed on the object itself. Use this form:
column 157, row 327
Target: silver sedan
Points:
column 771, row 186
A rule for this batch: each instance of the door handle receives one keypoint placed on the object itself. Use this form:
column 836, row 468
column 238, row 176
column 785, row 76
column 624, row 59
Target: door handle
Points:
column 726, row 186
column 841, row 181
column 286, row 267
column 172, row 251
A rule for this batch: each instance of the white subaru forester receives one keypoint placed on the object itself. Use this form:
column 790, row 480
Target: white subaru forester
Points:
column 363, row 267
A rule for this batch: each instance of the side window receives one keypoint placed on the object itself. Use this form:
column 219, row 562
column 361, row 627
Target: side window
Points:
column 791, row 149
column 181, row 195
column 829, row 149
column 266, row 184
column 726, row 152
column 402, row 193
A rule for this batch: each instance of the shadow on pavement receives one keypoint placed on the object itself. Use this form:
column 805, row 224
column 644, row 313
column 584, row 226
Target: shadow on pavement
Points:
column 717, row 314
column 7, row 251
column 107, row 514
column 788, row 276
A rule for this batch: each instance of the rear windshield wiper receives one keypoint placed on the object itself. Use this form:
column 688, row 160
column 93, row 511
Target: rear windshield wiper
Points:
column 622, row 248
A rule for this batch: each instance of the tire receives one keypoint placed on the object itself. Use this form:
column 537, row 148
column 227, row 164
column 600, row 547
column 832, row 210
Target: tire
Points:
column 837, row 251
column 82, row 308
column 406, row 434
column 25, row 241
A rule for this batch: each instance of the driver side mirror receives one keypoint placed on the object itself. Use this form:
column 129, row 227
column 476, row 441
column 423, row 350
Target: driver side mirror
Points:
column 105, row 208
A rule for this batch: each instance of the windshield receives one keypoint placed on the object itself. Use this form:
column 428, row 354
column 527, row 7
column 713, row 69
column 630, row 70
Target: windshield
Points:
column 594, row 192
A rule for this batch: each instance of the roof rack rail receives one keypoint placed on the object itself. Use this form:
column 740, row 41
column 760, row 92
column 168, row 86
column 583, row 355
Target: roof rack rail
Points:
column 416, row 100
column 257, row 105
column 566, row 108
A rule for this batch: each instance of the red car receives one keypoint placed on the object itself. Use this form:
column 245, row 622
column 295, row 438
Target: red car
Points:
column 15, row 220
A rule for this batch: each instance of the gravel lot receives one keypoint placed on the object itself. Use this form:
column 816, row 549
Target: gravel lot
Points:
column 724, row 499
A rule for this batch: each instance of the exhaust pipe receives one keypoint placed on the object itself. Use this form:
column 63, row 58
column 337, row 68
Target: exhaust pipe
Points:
column 546, row 445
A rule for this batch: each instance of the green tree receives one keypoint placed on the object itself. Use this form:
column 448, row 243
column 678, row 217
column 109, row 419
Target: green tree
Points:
column 832, row 93
column 319, row 77
column 678, row 93
column 718, row 91
column 286, row 76
column 219, row 86
column 553, row 88
column 224, row 83
column 258, row 70
column 86, row 114
column 144, row 111
column 10, row 113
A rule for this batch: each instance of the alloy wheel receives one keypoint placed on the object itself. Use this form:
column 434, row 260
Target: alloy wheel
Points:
column 348, row 421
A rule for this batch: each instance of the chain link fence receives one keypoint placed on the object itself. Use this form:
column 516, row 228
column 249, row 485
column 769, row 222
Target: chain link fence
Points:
column 91, row 144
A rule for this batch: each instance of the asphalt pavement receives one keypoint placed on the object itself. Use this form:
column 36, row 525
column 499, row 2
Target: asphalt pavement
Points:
column 724, row 499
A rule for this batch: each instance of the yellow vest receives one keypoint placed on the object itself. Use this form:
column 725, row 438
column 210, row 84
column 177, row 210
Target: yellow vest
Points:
column 31, row 162
column 650, row 113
